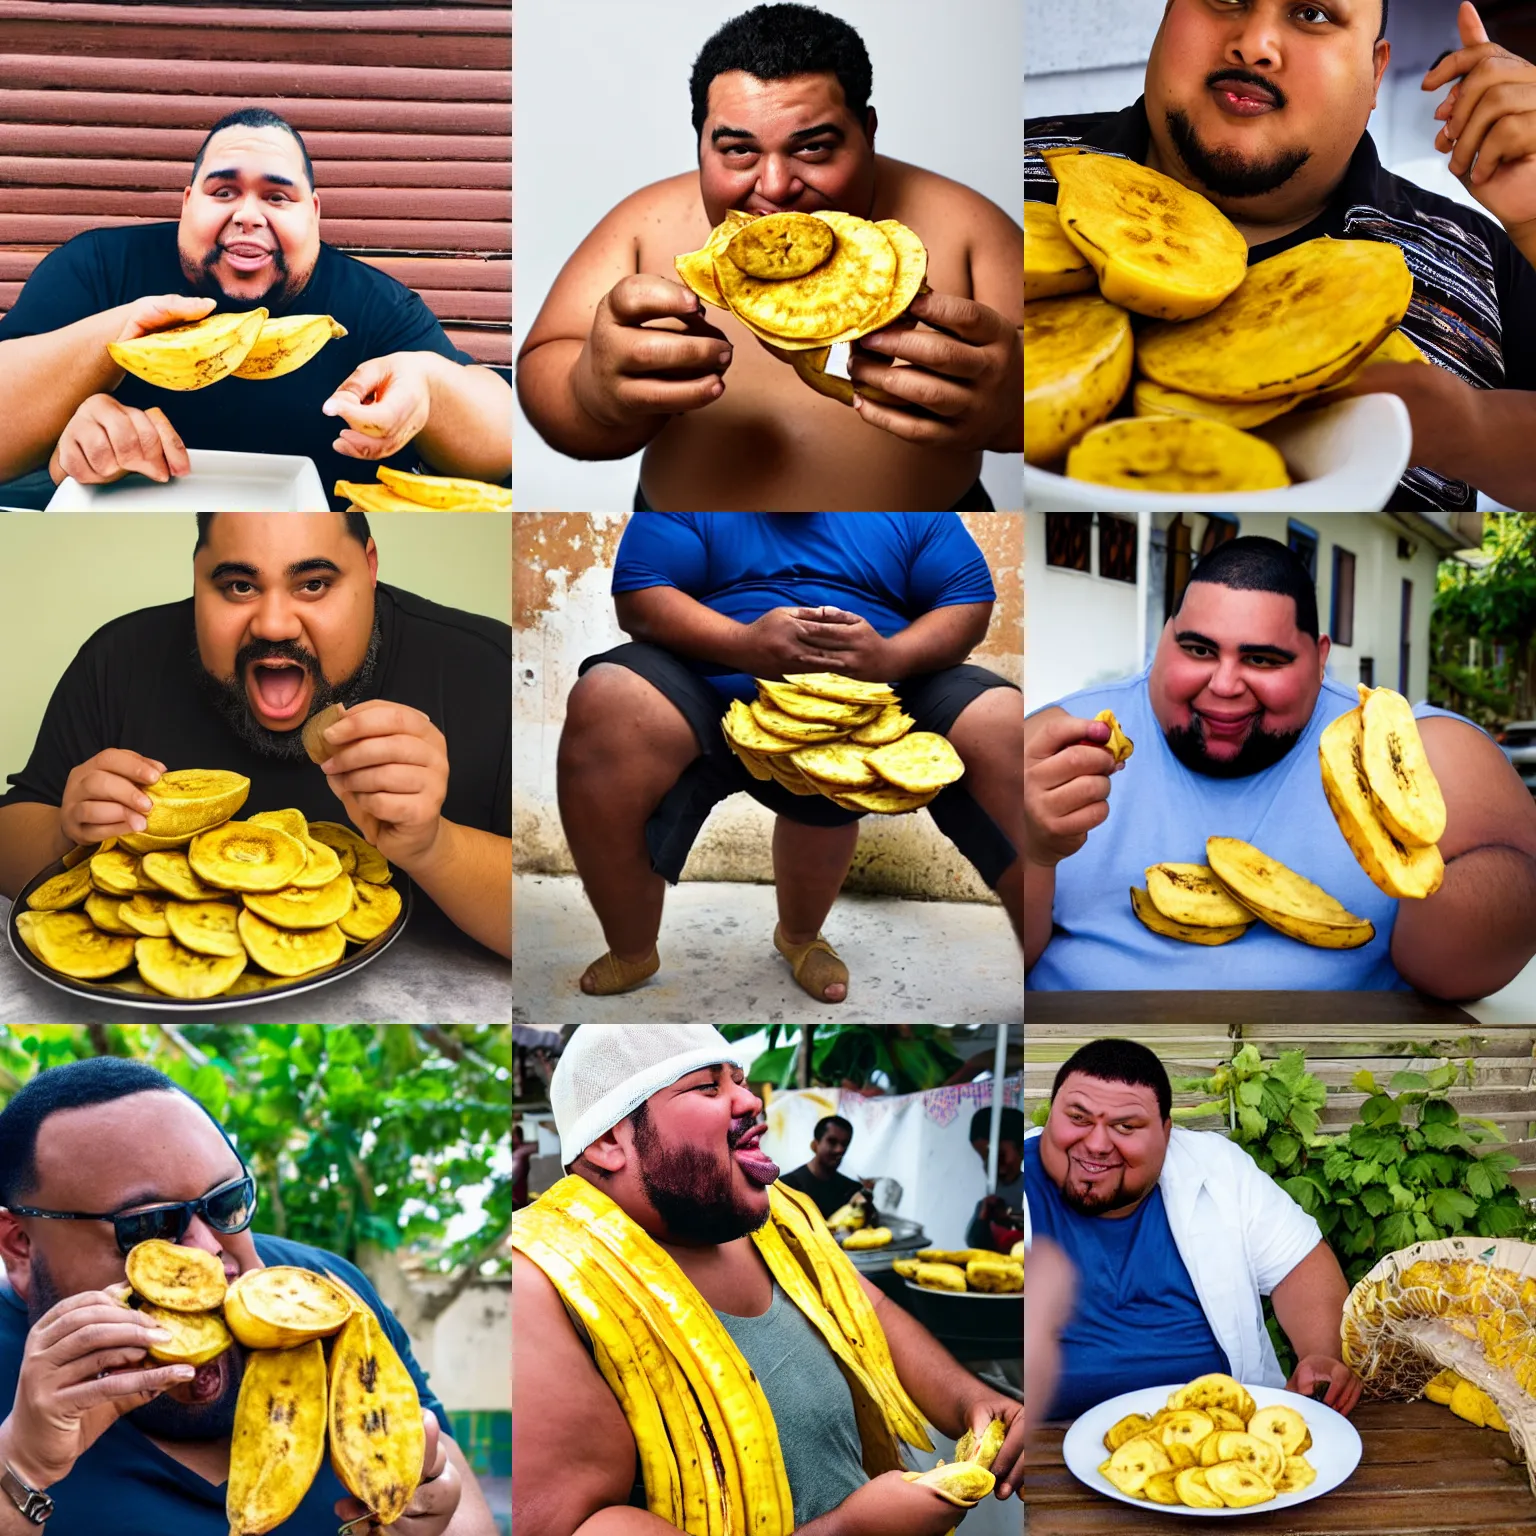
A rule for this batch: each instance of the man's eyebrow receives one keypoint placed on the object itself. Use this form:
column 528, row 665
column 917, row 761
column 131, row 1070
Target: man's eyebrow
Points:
column 298, row 568
column 228, row 174
column 315, row 563
column 802, row 133
column 1194, row 637
column 232, row 568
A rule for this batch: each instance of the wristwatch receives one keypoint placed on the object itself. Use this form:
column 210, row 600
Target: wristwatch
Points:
column 34, row 1505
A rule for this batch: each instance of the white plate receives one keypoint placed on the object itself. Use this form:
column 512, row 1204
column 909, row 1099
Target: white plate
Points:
column 219, row 482
column 1344, row 458
column 1335, row 1449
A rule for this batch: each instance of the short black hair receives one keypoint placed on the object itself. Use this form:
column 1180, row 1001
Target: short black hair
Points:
column 1256, row 564
column 1385, row 6
column 774, row 42
column 1011, row 1127
column 357, row 526
column 254, row 117
column 75, row 1085
column 826, row 1120
column 1120, row 1061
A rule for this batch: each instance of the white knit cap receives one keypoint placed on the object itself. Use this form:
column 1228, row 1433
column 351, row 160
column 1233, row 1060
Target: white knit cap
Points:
column 608, row 1070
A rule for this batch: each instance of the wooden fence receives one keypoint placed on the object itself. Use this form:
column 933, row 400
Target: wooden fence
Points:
column 405, row 109
column 1503, row 1089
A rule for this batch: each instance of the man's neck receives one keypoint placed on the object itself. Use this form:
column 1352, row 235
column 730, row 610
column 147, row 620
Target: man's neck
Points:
column 826, row 1175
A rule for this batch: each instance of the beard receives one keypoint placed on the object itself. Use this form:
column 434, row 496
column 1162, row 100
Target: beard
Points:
column 228, row 698
column 201, row 277
column 1095, row 1204
column 1225, row 172
column 1260, row 750
column 689, row 1190
column 163, row 1417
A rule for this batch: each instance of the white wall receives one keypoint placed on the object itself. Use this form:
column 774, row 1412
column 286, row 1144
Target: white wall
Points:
column 601, row 108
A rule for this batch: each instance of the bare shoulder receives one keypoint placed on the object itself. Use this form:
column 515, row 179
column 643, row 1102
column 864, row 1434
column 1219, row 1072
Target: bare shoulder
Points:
column 573, row 1446
column 1486, row 802
column 949, row 204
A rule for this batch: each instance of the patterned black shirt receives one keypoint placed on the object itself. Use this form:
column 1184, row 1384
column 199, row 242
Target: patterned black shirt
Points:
column 1473, row 309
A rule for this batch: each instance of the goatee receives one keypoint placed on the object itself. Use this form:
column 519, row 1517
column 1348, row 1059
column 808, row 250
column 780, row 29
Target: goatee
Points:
column 1226, row 173
column 689, row 1190
column 1261, row 750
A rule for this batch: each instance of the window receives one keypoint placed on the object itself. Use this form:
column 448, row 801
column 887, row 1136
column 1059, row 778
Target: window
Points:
column 1067, row 539
column 1404, row 636
column 1302, row 542
column 1218, row 530
column 1181, row 556
column 1368, row 671
column 1117, row 547
column 1341, row 614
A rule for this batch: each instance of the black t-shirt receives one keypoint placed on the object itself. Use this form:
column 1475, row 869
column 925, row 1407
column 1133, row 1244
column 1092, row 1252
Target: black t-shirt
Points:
column 829, row 1194
column 1473, row 309
column 103, row 268
column 136, row 684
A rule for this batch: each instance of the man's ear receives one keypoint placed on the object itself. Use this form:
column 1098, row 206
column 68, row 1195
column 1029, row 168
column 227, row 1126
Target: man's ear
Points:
column 16, row 1254
column 871, row 123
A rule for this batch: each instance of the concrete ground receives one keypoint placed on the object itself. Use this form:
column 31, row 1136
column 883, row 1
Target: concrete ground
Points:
column 909, row 962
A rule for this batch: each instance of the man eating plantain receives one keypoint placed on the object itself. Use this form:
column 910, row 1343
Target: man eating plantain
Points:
column 386, row 385
column 620, row 358
column 714, row 601
column 668, row 1263
column 1175, row 1236
column 287, row 618
column 1232, row 729
column 1261, row 107
column 100, row 1436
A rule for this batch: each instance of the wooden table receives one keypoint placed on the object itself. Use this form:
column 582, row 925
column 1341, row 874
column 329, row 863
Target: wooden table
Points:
column 1422, row 1472
column 1100, row 1008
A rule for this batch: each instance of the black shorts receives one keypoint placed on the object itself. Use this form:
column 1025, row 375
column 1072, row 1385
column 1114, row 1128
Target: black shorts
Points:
column 934, row 701
column 974, row 500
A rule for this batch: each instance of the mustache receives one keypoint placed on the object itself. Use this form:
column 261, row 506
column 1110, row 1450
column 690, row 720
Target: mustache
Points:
column 1247, row 77
column 739, row 1129
column 277, row 650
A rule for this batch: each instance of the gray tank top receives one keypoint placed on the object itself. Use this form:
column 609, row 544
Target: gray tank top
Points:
column 812, row 1407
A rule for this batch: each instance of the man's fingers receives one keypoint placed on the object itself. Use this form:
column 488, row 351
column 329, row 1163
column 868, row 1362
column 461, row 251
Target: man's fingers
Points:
column 1470, row 24
column 1068, row 799
column 645, row 296
column 171, row 445
column 901, row 421
column 653, row 352
column 1050, row 733
column 917, row 387
column 93, row 445
column 125, row 1384
column 964, row 318
column 1499, row 135
column 933, row 350
column 668, row 396
column 1455, row 65
column 1492, row 91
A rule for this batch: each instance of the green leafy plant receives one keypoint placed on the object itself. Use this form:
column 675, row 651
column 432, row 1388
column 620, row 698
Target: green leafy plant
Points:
column 913, row 1057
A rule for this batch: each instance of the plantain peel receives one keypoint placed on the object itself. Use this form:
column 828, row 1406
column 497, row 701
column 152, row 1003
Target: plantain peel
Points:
column 279, row 1437
column 962, row 1483
column 378, row 1440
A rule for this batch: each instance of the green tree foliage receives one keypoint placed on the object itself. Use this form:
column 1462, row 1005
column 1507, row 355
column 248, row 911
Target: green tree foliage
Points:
column 914, row 1057
column 1495, row 604
column 357, row 1134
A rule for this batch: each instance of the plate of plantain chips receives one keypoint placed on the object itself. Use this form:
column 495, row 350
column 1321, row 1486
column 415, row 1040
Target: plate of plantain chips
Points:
column 1211, row 1447
column 211, row 906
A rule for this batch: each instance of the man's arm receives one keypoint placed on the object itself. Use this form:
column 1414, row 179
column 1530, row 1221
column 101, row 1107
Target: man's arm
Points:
column 1477, row 932
column 473, row 1517
column 1309, row 1304
column 469, row 431
column 45, row 379
column 468, row 873
column 31, row 837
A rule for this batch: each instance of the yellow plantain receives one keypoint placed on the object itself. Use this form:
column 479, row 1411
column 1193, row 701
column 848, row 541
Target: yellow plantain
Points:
column 284, row 345
column 378, row 1439
column 279, row 1437
column 368, row 496
column 637, row 1389
column 1403, row 785
column 1189, row 933
column 695, row 1335
column 445, row 494
column 191, row 356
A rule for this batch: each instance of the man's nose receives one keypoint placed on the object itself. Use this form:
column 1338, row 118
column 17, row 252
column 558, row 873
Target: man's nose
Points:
column 777, row 181
column 1227, row 680
column 274, row 618
column 200, row 1235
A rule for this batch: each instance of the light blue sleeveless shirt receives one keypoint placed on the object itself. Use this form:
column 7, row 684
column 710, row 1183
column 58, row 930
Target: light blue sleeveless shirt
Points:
column 1159, row 811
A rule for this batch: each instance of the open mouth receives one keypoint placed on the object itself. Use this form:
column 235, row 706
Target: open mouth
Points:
column 1093, row 1170
column 247, row 258
column 278, row 690
column 758, row 1167
column 207, row 1385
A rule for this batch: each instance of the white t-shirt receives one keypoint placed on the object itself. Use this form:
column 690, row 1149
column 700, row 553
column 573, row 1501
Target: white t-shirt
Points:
column 1239, row 1235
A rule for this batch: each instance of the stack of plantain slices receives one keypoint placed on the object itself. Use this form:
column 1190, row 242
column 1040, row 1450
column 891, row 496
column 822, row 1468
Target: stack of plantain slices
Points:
column 187, row 907
column 1233, row 346
column 821, row 733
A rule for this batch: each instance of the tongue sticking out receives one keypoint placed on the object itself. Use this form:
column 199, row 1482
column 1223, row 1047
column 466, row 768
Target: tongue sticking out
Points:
column 279, row 687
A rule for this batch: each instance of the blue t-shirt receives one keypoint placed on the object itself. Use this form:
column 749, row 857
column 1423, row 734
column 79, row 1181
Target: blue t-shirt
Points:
column 103, row 268
column 1159, row 811
column 126, row 1485
column 1137, row 1321
column 888, row 567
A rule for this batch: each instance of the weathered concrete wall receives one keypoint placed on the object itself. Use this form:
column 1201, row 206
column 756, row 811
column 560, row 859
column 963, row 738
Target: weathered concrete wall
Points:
column 562, row 611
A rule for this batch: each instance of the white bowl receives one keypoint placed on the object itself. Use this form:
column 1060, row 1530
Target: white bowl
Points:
column 219, row 482
column 1344, row 458
column 1334, row 1455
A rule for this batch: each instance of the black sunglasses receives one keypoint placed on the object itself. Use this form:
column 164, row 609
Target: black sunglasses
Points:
column 229, row 1208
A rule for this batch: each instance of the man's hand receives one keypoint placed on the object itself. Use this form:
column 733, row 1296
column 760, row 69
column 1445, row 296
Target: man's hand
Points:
column 385, row 402
column 146, row 316
column 390, row 771
column 1344, row 1387
column 966, row 388
column 106, row 440
column 81, row 1371
column 1008, row 1464
column 1489, row 123
column 889, row 1504
column 857, row 648
column 630, row 368
column 1442, row 409
column 436, row 1498
column 785, row 640
column 102, row 797
column 1066, row 785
